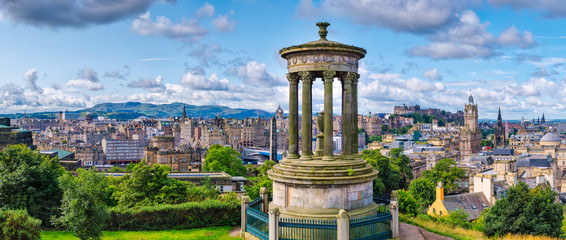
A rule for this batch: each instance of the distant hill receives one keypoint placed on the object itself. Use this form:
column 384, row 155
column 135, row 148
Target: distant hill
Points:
column 132, row 110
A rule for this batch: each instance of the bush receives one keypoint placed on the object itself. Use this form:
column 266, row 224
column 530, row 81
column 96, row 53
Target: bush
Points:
column 407, row 203
column 28, row 180
column 180, row 216
column 457, row 218
column 18, row 224
column 84, row 211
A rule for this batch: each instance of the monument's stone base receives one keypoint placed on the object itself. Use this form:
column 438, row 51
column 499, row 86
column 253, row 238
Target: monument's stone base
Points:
column 318, row 189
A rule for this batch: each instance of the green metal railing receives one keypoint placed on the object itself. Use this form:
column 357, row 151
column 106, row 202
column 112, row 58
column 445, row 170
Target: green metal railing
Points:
column 295, row 229
column 257, row 222
column 371, row 227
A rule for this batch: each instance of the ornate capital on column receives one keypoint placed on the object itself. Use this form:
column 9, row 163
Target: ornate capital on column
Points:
column 293, row 78
column 348, row 77
column 329, row 75
column 306, row 76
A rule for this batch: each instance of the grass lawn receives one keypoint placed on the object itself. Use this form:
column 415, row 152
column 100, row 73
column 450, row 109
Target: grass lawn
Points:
column 211, row 233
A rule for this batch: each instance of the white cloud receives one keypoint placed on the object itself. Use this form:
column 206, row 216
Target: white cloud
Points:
column 183, row 30
column 205, row 11
column 549, row 8
column 257, row 74
column 469, row 38
column 432, row 75
column 151, row 85
column 87, row 79
column 223, row 24
column 198, row 81
column 31, row 78
column 403, row 15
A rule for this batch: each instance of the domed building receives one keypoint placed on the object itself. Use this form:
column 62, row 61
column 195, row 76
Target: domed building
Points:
column 550, row 139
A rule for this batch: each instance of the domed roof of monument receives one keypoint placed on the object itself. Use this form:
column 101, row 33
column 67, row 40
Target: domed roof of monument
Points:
column 323, row 44
column 550, row 137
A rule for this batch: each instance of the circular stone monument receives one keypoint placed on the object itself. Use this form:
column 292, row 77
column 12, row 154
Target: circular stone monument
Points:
column 318, row 186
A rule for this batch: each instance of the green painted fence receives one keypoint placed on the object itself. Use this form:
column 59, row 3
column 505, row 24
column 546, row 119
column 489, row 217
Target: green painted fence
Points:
column 295, row 229
column 257, row 222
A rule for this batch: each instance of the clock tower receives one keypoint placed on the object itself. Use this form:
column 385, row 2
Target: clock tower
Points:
column 470, row 134
column 471, row 115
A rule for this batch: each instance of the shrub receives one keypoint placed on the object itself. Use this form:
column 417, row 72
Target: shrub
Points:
column 407, row 203
column 18, row 224
column 180, row 216
column 457, row 218
column 84, row 211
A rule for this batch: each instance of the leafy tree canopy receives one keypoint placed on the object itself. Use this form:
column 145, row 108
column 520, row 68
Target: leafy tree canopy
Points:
column 525, row 211
column 149, row 185
column 226, row 159
column 28, row 180
column 446, row 171
column 84, row 205
column 261, row 181
column 394, row 173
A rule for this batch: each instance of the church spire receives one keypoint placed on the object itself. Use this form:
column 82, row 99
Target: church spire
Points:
column 184, row 112
column 499, row 115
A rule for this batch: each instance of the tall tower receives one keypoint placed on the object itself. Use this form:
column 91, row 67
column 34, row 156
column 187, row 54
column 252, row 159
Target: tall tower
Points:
column 471, row 115
column 470, row 135
column 184, row 113
column 499, row 133
column 543, row 120
column 273, row 140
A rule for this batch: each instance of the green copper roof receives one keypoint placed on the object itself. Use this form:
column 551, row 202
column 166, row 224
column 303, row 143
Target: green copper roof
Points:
column 61, row 153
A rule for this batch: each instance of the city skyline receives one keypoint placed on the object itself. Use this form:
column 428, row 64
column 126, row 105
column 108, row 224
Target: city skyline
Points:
column 76, row 54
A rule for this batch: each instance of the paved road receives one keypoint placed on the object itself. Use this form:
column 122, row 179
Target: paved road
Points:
column 410, row 232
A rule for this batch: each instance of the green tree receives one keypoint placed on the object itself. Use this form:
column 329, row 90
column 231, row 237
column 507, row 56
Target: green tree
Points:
column 405, row 129
column 149, row 185
column 28, row 180
column 375, row 138
column 203, row 192
column 486, row 143
column 423, row 189
column 18, row 224
column 389, row 177
column 84, row 211
column 226, row 159
column 525, row 211
column 403, row 163
column 447, row 172
column 384, row 128
column 407, row 203
column 261, row 181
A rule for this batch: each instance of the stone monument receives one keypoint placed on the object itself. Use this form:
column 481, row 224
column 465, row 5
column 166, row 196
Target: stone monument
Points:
column 319, row 186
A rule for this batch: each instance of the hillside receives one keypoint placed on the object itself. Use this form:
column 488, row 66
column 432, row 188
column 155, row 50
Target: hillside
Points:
column 132, row 110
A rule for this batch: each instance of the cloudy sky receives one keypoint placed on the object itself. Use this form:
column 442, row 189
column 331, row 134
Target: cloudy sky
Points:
column 73, row 54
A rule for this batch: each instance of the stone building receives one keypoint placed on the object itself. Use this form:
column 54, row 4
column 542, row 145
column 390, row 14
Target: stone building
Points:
column 162, row 150
column 470, row 134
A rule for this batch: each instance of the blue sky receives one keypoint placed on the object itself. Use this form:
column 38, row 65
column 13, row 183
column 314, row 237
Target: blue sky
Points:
column 73, row 54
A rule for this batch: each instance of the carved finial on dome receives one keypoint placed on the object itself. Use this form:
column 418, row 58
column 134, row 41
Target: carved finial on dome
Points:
column 322, row 30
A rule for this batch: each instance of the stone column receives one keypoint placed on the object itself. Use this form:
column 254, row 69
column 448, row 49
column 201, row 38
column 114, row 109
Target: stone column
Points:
column 355, row 113
column 245, row 203
column 293, row 115
column 394, row 207
column 328, row 116
column 274, row 224
column 343, row 225
column 264, row 194
column 306, row 153
column 347, row 115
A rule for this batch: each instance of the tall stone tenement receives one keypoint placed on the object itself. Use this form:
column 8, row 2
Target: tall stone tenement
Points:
column 318, row 186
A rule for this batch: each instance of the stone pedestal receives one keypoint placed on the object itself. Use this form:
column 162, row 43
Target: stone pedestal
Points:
column 318, row 189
